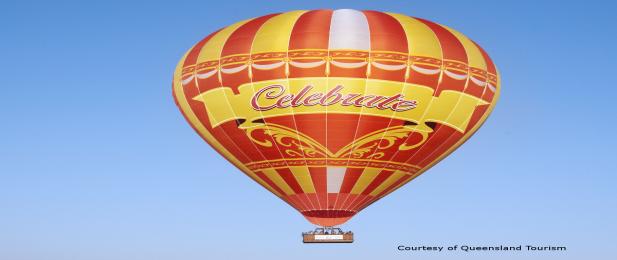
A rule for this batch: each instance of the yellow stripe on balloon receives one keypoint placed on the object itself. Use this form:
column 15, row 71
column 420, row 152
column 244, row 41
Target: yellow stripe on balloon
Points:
column 389, row 181
column 474, row 56
column 368, row 175
column 421, row 40
column 274, row 34
column 275, row 177
column 303, row 177
column 213, row 48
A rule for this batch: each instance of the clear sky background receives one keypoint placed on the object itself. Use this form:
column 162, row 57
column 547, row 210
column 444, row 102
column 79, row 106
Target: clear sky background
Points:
column 97, row 163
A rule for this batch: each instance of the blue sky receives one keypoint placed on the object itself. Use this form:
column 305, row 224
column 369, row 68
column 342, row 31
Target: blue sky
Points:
column 96, row 161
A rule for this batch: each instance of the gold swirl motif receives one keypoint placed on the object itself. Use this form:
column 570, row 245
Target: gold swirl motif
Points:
column 296, row 144
column 369, row 146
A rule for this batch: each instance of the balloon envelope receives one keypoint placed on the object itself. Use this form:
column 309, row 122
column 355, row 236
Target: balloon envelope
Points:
column 331, row 110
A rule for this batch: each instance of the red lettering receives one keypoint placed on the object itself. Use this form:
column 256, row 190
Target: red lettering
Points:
column 332, row 97
column 359, row 101
column 311, row 98
column 296, row 101
column 332, row 93
column 384, row 104
column 372, row 102
column 272, row 92
column 404, row 105
column 348, row 99
column 284, row 99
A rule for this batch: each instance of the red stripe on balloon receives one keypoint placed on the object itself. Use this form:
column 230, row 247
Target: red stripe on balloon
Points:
column 351, row 177
column 490, row 67
column 311, row 31
column 351, row 199
column 454, row 54
column 310, row 35
column 451, row 47
column 318, row 176
column 387, row 34
column 342, row 197
column 302, row 201
column 288, row 177
column 360, row 202
column 191, row 58
column 381, row 177
column 240, row 42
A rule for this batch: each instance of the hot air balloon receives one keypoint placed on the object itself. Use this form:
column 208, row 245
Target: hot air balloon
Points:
column 331, row 110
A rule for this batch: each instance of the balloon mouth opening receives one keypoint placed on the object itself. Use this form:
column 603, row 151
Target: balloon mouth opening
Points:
column 328, row 218
column 328, row 213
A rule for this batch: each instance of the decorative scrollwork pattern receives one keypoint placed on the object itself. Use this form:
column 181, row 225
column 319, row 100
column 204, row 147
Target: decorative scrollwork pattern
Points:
column 294, row 143
column 370, row 146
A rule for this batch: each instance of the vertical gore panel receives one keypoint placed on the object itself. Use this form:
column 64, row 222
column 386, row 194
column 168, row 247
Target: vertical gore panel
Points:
column 365, row 179
column 335, row 176
column 288, row 177
column 381, row 177
column 452, row 49
column 311, row 30
column 213, row 48
column 193, row 54
column 387, row 34
column 241, row 40
column 274, row 176
column 274, row 34
column 349, row 30
column 421, row 40
column 351, row 177
column 303, row 177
